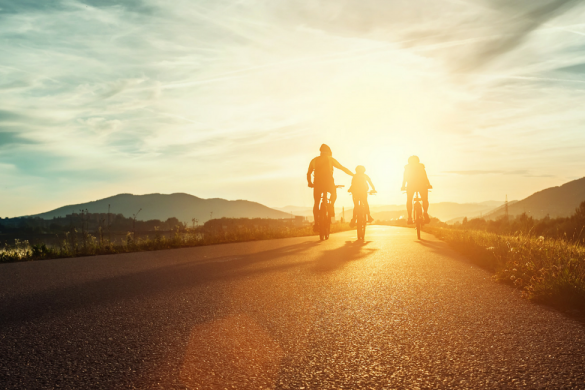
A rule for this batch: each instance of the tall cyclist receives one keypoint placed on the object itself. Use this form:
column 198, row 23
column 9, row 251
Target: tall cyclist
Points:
column 323, row 166
column 416, row 180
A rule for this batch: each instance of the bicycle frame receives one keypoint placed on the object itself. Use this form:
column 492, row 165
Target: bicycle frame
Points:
column 325, row 214
column 417, row 212
column 361, row 218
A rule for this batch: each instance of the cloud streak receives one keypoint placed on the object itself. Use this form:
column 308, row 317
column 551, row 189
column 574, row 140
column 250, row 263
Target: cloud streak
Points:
column 216, row 98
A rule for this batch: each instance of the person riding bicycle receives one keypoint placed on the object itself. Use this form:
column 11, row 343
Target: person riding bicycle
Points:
column 416, row 180
column 323, row 167
column 359, row 192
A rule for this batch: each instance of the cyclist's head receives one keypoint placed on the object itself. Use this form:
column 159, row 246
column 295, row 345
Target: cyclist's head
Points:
column 413, row 160
column 325, row 150
column 360, row 169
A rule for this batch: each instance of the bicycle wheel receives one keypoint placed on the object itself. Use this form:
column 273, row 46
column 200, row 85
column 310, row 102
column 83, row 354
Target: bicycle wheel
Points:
column 323, row 221
column 418, row 218
column 361, row 222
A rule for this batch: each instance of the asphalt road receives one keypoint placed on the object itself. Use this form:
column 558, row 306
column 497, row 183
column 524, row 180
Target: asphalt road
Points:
column 391, row 312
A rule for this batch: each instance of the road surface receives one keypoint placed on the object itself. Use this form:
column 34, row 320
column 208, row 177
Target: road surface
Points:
column 392, row 312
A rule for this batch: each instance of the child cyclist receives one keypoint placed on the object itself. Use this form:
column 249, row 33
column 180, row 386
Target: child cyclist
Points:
column 359, row 191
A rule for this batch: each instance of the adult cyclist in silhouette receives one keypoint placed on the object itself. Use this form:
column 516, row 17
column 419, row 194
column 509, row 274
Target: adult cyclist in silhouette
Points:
column 323, row 167
column 416, row 180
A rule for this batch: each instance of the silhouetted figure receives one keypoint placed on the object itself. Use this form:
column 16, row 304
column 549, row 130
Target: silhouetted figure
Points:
column 416, row 180
column 359, row 191
column 323, row 182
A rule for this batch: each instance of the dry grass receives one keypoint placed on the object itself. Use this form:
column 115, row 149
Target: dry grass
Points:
column 84, row 244
column 550, row 271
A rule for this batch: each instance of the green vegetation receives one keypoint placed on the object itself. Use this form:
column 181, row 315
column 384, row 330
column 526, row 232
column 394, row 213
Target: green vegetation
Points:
column 82, row 243
column 544, row 258
column 83, row 220
column 568, row 229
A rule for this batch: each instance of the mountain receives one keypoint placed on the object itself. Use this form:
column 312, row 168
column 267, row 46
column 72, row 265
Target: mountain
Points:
column 445, row 211
column 304, row 211
column 554, row 201
column 184, row 207
column 296, row 210
column 483, row 214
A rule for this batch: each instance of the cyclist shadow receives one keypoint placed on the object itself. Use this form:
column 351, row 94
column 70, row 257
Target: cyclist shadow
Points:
column 339, row 257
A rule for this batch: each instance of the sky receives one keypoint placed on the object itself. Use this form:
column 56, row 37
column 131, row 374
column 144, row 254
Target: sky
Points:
column 232, row 99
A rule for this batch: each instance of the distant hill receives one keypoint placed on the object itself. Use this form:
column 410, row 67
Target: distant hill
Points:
column 445, row 211
column 483, row 214
column 163, row 206
column 555, row 202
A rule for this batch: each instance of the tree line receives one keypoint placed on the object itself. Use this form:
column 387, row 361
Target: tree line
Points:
column 90, row 222
column 570, row 228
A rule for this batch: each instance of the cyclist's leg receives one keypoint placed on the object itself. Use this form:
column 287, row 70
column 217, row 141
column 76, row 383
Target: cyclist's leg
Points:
column 409, row 196
column 317, row 198
column 355, row 208
column 333, row 191
column 424, row 194
column 367, row 206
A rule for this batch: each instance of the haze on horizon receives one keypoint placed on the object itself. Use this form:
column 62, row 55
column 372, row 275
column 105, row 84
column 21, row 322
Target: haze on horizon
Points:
column 232, row 99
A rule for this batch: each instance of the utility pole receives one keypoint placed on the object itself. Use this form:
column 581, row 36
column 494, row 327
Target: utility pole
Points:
column 506, row 209
column 134, row 222
column 109, row 231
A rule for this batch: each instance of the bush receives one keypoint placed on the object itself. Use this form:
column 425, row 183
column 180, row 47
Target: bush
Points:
column 547, row 270
column 85, row 244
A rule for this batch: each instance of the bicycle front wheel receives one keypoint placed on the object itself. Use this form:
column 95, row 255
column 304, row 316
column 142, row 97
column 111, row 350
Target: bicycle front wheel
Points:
column 361, row 224
column 323, row 225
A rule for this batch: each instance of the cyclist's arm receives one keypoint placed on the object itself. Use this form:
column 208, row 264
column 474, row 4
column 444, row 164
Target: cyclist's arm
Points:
column 310, row 172
column 371, row 184
column 427, row 178
column 337, row 165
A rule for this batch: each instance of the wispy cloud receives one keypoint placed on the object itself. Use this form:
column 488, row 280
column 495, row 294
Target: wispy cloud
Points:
column 522, row 172
column 223, row 98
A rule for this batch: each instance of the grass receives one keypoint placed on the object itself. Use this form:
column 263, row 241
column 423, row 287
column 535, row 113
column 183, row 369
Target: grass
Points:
column 546, row 270
column 77, row 244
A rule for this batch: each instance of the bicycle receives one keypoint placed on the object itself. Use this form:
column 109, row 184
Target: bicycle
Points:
column 417, row 213
column 361, row 218
column 325, row 215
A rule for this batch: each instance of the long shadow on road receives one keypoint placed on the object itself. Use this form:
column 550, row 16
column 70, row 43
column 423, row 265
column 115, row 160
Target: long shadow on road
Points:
column 337, row 258
column 147, row 283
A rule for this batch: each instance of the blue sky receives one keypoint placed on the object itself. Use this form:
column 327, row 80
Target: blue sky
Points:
column 232, row 99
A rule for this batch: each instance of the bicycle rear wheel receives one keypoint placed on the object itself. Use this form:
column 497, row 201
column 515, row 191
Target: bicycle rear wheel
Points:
column 418, row 218
column 361, row 223
column 323, row 226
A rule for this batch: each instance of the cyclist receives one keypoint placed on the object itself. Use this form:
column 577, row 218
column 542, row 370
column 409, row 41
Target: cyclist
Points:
column 359, row 191
column 416, row 180
column 323, row 167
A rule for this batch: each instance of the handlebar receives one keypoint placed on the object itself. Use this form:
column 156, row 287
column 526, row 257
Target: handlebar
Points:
column 340, row 186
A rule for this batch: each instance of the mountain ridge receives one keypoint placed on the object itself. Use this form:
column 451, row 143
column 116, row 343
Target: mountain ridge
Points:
column 443, row 210
column 183, row 206
column 558, row 201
